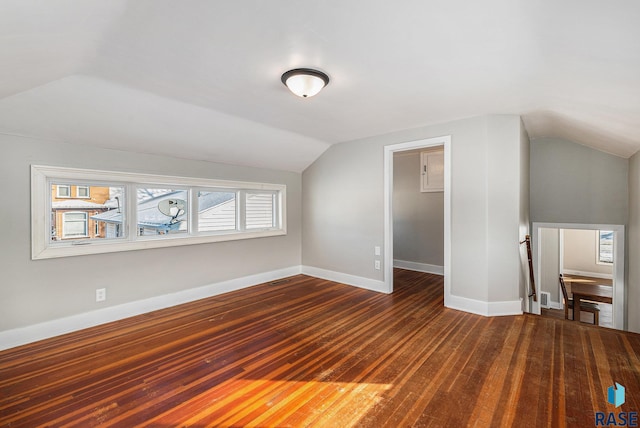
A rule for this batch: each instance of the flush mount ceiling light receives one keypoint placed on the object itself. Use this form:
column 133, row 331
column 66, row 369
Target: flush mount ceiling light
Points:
column 305, row 82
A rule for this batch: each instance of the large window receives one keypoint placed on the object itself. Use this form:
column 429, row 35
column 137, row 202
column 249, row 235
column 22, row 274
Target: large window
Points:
column 77, row 211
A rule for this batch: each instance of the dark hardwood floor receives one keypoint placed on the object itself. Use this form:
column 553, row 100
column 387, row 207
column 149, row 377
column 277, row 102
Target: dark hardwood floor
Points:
column 310, row 352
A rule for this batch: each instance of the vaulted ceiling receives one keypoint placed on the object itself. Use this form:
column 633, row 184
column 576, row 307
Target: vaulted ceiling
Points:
column 200, row 79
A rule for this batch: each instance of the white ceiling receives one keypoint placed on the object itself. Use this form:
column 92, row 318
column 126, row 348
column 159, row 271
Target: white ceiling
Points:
column 200, row 79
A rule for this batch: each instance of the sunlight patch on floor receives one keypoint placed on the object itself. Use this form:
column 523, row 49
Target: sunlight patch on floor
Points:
column 264, row 402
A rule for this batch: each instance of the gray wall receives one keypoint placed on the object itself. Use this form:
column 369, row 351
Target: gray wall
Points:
column 418, row 217
column 580, row 252
column 505, row 160
column 633, row 241
column 343, row 205
column 571, row 183
column 43, row 290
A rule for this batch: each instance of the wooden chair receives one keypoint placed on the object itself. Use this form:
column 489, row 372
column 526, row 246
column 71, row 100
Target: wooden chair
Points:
column 584, row 306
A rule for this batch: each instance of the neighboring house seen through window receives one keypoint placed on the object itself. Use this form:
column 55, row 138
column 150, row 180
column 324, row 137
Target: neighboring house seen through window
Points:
column 79, row 204
column 260, row 212
column 82, row 191
column 63, row 191
column 217, row 211
column 74, row 224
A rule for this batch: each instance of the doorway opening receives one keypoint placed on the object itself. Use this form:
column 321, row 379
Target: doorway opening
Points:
column 591, row 254
column 389, row 151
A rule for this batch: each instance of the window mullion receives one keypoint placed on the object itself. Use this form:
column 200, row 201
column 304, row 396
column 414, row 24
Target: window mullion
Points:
column 130, row 213
column 49, row 207
column 242, row 210
column 194, row 198
column 276, row 208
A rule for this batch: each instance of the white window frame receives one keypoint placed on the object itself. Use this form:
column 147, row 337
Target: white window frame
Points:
column 43, row 247
column 83, row 197
column 58, row 195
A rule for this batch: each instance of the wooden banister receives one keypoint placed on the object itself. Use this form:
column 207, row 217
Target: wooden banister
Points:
column 527, row 240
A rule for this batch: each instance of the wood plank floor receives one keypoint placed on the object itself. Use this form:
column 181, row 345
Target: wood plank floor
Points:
column 310, row 352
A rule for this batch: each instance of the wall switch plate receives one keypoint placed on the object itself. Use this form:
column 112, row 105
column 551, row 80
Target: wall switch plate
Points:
column 376, row 250
column 101, row 294
column 377, row 265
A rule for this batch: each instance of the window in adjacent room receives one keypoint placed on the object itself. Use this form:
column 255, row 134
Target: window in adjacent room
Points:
column 605, row 247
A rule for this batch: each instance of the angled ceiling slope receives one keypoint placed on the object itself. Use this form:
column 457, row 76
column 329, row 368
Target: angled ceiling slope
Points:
column 201, row 79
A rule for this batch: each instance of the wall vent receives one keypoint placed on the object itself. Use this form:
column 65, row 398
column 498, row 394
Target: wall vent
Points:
column 545, row 299
column 279, row 281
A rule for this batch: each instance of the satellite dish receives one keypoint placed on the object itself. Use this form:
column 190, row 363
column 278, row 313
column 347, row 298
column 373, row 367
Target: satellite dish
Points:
column 172, row 208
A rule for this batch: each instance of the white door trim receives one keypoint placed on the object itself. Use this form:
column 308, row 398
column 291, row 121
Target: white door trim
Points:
column 388, row 207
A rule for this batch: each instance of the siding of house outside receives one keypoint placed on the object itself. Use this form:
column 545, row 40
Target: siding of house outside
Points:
column 218, row 218
column 76, row 204
column 259, row 211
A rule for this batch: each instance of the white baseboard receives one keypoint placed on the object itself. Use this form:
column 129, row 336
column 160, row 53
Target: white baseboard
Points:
column 24, row 335
column 497, row 309
column 487, row 309
column 555, row 305
column 419, row 267
column 583, row 273
column 345, row 278
column 28, row 334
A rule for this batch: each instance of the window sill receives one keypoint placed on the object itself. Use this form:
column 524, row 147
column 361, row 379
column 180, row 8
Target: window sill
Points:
column 59, row 249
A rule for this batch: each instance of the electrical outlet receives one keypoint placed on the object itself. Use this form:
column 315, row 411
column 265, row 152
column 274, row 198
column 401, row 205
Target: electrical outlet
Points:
column 101, row 294
column 377, row 265
column 376, row 250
